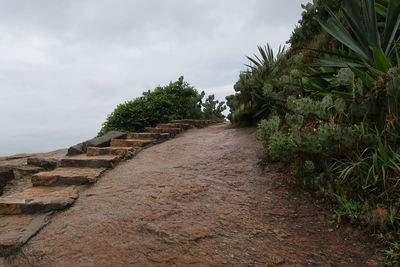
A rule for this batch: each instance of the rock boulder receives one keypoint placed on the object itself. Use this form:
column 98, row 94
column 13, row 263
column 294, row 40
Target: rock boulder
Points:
column 45, row 163
column 102, row 141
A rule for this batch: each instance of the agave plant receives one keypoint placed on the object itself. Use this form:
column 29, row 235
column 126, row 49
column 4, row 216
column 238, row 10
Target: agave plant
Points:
column 267, row 56
column 373, row 49
column 262, row 68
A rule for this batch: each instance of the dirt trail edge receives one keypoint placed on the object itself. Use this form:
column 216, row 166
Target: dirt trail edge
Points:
column 198, row 199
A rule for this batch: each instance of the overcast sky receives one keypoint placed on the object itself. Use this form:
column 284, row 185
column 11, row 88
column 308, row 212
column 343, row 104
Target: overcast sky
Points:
column 65, row 65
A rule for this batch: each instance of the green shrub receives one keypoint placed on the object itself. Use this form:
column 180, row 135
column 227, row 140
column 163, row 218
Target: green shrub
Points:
column 178, row 100
column 212, row 109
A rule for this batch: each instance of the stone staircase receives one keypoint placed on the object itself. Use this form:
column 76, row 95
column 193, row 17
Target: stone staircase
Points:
column 24, row 213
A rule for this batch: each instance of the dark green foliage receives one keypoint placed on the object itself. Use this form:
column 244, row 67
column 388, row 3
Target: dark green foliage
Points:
column 308, row 25
column 232, row 103
column 372, row 47
column 178, row 100
column 212, row 109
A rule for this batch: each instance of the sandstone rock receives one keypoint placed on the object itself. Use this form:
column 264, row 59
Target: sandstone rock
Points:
column 26, row 171
column 6, row 174
column 171, row 131
column 76, row 150
column 131, row 142
column 103, row 161
column 276, row 260
column 157, row 136
column 16, row 230
column 102, row 141
column 126, row 152
column 45, row 163
column 105, row 140
column 184, row 126
column 188, row 121
column 195, row 123
column 67, row 176
column 18, row 156
column 38, row 199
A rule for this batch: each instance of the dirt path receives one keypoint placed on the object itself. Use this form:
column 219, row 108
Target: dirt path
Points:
column 198, row 199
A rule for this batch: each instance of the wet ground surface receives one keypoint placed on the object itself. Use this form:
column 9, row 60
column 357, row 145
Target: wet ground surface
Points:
column 20, row 183
column 199, row 199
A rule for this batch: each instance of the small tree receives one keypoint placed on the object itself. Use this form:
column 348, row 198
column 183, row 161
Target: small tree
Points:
column 212, row 109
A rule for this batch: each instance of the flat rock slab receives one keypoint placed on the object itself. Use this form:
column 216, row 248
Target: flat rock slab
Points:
column 132, row 142
column 38, row 199
column 195, row 123
column 16, row 230
column 26, row 171
column 184, row 126
column 148, row 136
column 171, row 131
column 119, row 151
column 103, row 161
column 67, row 176
column 18, row 156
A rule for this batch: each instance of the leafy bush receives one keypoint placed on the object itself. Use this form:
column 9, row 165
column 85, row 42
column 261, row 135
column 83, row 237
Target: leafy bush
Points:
column 178, row 100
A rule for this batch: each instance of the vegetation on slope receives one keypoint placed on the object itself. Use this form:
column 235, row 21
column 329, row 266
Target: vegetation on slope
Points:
column 332, row 110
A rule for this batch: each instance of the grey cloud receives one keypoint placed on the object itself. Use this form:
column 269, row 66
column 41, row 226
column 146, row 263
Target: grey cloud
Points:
column 65, row 65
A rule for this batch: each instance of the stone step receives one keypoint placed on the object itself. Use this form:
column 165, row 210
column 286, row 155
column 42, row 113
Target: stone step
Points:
column 67, row 176
column 195, row 123
column 183, row 126
column 38, row 199
column 172, row 131
column 102, row 161
column 26, row 171
column 136, row 143
column 16, row 230
column 146, row 136
column 125, row 152
column 188, row 121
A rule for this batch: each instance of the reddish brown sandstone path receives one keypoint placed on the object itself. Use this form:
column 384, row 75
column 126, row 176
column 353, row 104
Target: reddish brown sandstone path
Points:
column 200, row 200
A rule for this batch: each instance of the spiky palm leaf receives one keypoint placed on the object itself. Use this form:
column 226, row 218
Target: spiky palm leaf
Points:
column 372, row 48
column 267, row 56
